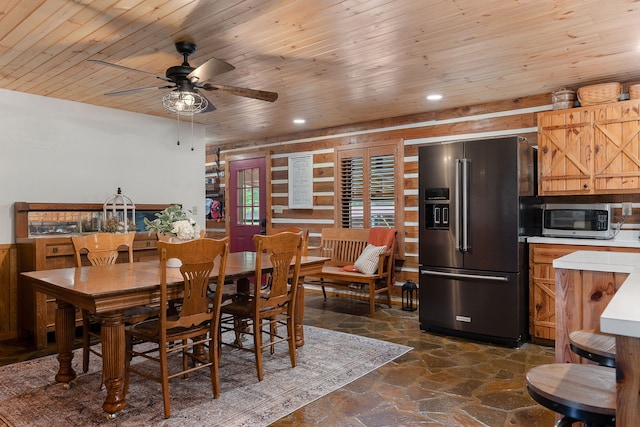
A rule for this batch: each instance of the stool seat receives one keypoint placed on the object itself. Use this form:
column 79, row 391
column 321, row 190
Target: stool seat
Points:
column 582, row 392
column 593, row 345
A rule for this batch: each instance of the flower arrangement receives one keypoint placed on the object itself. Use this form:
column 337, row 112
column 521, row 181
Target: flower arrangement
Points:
column 174, row 221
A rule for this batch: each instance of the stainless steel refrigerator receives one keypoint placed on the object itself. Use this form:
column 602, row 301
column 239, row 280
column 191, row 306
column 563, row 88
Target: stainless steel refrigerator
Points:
column 477, row 199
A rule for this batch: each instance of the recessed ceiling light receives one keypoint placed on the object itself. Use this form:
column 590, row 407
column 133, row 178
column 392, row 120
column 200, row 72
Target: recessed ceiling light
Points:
column 299, row 121
column 434, row 97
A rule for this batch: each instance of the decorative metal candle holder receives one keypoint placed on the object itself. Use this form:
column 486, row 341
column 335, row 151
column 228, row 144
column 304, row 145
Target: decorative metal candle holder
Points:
column 409, row 296
column 119, row 214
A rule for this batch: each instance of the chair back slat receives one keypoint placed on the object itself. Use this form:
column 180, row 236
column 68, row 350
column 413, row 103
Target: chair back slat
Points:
column 102, row 257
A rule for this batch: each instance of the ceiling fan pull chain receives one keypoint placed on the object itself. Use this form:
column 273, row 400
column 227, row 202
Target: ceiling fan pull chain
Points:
column 192, row 132
column 178, row 114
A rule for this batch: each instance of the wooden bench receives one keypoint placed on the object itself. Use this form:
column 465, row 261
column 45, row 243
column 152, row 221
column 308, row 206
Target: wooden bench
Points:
column 344, row 246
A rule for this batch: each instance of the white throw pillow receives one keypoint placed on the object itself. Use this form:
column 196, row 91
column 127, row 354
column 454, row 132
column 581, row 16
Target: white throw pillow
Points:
column 367, row 262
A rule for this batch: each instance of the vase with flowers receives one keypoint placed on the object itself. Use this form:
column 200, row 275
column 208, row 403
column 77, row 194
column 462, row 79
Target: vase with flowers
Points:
column 173, row 225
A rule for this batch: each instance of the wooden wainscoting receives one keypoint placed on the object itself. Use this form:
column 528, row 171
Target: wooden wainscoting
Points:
column 8, row 292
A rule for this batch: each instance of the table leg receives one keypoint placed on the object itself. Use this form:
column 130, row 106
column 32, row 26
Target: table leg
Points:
column 40, row 322
column 65, row 329
column 113, row 354
column 199, row 351
column 243, row 285
column 299, row 313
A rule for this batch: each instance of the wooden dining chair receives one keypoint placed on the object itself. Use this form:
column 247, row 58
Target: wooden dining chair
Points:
column 102, row 249
column 195, row 326
column 268, row 307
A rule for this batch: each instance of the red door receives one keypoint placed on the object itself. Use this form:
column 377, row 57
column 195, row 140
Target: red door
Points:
column 247, row 202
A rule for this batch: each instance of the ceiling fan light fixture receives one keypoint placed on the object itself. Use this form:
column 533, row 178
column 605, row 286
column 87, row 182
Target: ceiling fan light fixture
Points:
column 184, row 103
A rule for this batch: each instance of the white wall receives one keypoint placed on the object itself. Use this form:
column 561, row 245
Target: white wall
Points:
column 67, row 152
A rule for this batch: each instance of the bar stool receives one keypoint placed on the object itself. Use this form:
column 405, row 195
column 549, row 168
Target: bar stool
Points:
column 580, row 392
column 595, row 346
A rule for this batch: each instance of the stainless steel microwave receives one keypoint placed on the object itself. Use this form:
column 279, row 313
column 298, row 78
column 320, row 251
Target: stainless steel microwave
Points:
column 587, row 221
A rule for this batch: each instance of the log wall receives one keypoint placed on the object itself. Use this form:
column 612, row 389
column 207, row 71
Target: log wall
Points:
column 510, row 117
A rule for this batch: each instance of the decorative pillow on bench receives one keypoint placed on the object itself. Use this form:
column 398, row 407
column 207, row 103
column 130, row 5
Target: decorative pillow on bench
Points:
column 367, row 262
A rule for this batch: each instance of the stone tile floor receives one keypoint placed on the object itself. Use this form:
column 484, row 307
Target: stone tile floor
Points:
column 443, row 381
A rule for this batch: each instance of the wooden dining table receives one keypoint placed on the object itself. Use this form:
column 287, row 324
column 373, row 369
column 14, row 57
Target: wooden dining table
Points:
column 108, row 290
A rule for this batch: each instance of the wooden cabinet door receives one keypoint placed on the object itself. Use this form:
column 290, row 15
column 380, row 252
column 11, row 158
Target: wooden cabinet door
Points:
column 565, row 146
column 542, row 290
column 617, row 147
column 542, row 314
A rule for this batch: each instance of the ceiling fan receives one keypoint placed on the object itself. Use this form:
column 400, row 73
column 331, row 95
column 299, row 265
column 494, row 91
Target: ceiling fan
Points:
column 186, row 82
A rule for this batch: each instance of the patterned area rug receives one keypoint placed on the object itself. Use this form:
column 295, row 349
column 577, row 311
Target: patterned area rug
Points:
column 329, row 360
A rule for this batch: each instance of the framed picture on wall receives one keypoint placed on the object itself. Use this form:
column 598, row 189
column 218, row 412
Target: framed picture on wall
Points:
column 301, row 181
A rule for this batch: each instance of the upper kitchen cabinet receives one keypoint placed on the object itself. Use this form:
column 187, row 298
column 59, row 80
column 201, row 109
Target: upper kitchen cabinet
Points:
column 590, row 150
column 617, row 147
column 565, row 141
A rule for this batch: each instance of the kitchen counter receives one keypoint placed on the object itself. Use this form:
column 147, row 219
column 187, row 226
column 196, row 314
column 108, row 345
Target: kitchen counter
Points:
column 613, row 262
column 624, row 239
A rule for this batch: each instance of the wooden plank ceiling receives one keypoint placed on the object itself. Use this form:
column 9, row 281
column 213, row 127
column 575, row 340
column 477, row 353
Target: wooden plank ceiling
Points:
column 332, row 62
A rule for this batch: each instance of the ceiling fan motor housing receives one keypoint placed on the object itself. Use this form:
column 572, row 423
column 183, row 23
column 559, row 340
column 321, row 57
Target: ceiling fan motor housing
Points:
column 178, row 73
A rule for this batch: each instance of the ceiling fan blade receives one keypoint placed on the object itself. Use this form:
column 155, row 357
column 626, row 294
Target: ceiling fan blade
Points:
column 122, row 67
column 140, row 89
column 209, row 70
column 241, row 91
column 210, row 106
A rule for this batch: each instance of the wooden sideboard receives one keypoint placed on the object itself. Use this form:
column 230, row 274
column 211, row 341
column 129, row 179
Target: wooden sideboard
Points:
column 36, row 312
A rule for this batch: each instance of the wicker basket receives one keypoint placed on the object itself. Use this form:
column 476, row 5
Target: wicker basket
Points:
column 599, row 94
column 634, row 91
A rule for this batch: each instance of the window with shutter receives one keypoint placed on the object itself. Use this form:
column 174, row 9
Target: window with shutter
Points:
column 382, row 191
column 352, row 193
column 368, row 187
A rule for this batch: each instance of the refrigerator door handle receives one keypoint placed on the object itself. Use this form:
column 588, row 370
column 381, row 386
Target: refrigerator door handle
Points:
column 456, row 223
column 464, row 276
column 465, row 205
